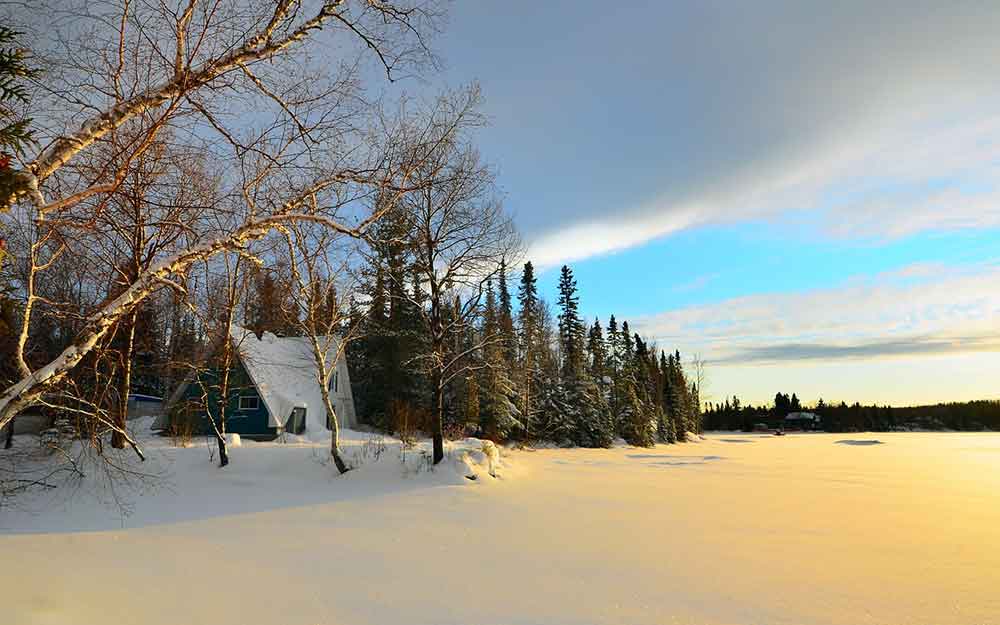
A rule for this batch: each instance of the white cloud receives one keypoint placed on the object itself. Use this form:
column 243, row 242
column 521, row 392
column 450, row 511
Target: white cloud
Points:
column 583, row 240
column 880, row 183
column 919, row 310
column 878, row 121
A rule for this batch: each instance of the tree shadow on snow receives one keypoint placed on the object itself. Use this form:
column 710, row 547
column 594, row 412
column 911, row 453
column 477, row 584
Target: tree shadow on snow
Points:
column 861, row 443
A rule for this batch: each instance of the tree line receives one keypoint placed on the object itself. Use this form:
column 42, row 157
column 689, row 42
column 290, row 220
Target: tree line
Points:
column 977, row 415
column 524, row 372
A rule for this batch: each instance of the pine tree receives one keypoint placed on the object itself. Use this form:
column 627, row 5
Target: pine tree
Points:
column 587, row 407
column 15, row 130
column 570, row 325
column 614, row 368
column 499, row 414
column 9, row 321
column 597, row 350
column 551, row 417
column 505, row 317
column 389, row 391
column 668, row 426
column 529, row 347
column 636, row 419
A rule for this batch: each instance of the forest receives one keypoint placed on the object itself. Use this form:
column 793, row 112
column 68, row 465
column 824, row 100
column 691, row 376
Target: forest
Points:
column 972, row 416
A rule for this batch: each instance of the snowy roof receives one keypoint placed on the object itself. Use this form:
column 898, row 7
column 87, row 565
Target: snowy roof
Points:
column 802, row 416
column 284, row 372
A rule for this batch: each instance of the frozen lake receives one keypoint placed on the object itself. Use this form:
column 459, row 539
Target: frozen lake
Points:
column 846, row 529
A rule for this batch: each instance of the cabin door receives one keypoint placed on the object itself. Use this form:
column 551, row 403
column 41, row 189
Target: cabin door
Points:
column 296, row 421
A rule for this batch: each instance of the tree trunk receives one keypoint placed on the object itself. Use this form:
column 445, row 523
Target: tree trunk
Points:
column 223, row 451
column 220, row 426
column 339, row 461
column 331, row 419
column 9, row 439
column 118, row 435
column 438, row 425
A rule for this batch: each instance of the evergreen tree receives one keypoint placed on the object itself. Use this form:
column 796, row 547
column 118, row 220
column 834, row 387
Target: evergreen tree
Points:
column 597, row 351
column 269, row 308
column 390, row 391
column 636, row 418
column 552, row 414
column 570, row 325
column 614, row 369
column 665, row 431
column 587, row 407
column 499, row 414
column 505, row 317
column 15, row 131
column 9, row 322
column 529, row 345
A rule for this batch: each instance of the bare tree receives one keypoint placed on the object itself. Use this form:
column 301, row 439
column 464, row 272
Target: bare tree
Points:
column 459, row 233
column 321, row 311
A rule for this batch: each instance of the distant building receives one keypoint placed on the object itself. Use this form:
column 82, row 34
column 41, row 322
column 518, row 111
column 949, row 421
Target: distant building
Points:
column 802, row 421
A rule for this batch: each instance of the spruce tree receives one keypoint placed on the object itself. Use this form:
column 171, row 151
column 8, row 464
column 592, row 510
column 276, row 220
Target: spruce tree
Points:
column 9, row 322
column 552, row 418
column 667, row 428
column 614, row 350
column 498, row 413
column 570, row 325
column 505, row 317
column 597, row 351
column 588, row 409
column 529, row 347
column 15, row 130
column 388, row 389
column 637, row 423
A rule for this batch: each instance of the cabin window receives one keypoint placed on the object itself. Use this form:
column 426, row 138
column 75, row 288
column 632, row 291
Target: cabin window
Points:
column 333, row 382
column 249, row 402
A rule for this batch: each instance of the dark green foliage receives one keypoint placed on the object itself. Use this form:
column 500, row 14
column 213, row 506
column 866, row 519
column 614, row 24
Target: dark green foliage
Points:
column 570, row 326
column 9, row 324
column 387, row 381
column 498, row 413
column 529, row 350
column 587, row 407
column 15, row 128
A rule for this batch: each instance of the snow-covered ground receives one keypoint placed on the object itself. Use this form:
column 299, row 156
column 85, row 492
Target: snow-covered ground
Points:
column 735, row 529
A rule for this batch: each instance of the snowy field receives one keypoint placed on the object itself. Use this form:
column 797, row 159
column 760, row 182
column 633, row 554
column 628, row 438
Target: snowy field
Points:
column 735, row 529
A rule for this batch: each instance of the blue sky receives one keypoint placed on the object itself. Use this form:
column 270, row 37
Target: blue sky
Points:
column 805, row 195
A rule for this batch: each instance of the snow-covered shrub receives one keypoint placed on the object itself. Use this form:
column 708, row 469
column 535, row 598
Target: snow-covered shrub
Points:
column 492, row 453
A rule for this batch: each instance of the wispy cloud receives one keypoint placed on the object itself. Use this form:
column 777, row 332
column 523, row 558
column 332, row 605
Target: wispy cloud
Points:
column 883, row 183
column 895, row 134
column 921, row 309
column 912, row 346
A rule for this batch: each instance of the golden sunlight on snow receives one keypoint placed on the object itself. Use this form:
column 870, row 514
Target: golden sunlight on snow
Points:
column 737, row 529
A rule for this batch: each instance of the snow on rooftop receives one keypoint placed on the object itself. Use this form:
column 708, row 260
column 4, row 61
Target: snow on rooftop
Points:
column 284, row 371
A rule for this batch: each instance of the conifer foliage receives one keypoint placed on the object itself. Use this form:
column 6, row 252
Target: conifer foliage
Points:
column 534, row 375
column 15, row 128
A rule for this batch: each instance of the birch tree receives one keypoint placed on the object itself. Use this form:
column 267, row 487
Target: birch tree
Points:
column 322, row 311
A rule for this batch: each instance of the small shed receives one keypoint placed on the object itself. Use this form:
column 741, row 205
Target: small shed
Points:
column 274, row 388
